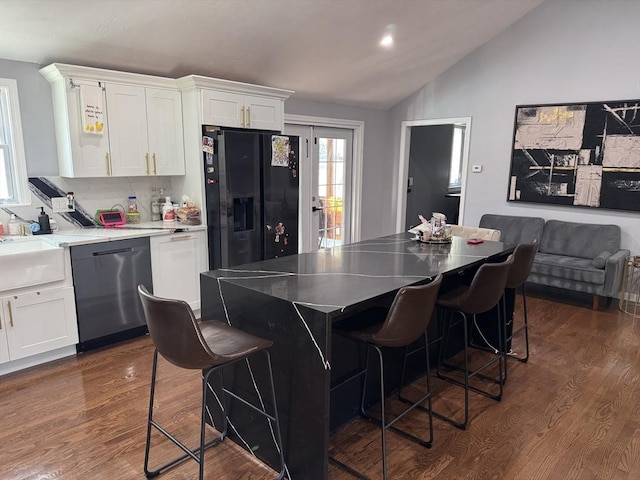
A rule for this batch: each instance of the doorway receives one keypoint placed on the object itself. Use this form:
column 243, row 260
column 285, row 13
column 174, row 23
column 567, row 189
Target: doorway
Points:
column 330, row 165
column 432, row 170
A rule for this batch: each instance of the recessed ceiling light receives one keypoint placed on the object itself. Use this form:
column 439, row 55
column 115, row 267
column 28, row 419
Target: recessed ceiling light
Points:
column 387, row 41
column 387, row 36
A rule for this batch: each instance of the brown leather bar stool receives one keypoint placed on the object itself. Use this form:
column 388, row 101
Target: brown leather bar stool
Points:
column 482, row 295
column 406, row 321
column 208, row 346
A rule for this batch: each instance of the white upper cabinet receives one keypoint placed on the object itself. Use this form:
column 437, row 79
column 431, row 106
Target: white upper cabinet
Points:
column 225, row 103
column 264, row 113
column 142, row 120
column 127, row 130
column 140, row 129
column 164, row 127
column 222, row 109
column 80, row 153
column 145, row 130
column 226, row 109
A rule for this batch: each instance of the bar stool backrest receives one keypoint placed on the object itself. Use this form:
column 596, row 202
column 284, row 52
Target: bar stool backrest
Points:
column 175, row 333
column 409, row 315
column 523, row 257
column 486, row 288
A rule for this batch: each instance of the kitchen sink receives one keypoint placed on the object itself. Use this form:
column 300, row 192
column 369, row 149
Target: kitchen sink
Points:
column 28, row 261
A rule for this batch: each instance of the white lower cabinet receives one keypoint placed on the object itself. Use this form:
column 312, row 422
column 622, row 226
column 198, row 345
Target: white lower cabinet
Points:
column 37, row 322
column 176, row 263
column 4, row 348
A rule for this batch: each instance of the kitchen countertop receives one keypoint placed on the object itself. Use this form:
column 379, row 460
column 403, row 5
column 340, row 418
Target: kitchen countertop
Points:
column 330, row 280
column 83, row 236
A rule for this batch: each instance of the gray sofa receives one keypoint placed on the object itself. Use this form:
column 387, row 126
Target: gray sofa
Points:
column 514, row 230
column 574, row 256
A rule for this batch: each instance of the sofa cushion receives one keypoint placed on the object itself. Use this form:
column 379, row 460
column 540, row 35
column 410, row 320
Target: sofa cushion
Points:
column 513, row 229
column 582, row 240
column 570, row 268
column 601, row 260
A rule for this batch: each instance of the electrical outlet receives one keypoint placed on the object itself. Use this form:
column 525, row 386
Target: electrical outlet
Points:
column 476, row 168
column 59, row 205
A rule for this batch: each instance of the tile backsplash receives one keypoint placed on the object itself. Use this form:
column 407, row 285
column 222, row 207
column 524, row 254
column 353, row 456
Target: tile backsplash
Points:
column 98, row 194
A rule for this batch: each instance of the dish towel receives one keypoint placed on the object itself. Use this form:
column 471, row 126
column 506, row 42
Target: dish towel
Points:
column 91, row 102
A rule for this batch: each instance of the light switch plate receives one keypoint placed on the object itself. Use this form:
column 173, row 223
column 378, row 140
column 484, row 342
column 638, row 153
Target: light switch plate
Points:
column 59, row 205
column 476, row 168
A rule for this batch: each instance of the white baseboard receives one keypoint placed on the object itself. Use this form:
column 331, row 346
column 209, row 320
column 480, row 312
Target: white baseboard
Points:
column 21, row 364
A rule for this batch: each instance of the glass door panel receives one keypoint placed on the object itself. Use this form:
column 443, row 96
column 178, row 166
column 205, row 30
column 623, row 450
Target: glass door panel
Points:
column 332, row 154
column 325, row 185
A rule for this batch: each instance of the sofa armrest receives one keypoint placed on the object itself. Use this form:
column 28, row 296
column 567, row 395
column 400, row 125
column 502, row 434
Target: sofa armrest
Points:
column 613, row 273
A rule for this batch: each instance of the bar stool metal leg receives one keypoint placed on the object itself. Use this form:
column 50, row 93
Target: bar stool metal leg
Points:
column 445, row 341
column 381, row 422
column 188, row 453
column 524, row 328
column 467, row 375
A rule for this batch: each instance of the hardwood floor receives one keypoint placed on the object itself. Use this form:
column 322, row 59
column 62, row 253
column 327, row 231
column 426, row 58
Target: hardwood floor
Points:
column 571, row 412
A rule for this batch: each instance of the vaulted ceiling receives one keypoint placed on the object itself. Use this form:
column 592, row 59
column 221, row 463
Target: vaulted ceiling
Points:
column 325, row 50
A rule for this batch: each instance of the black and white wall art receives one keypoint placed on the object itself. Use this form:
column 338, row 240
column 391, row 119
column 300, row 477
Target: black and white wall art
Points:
column 579, row 154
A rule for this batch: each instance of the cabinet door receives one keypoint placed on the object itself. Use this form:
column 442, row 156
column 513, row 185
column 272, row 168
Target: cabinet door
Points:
column 164, row 126
column 176, row 263
column 223, row 109
column 81, row 154
column 39, row 322
column 4, row 348
column 264, row 113
column 128, row 130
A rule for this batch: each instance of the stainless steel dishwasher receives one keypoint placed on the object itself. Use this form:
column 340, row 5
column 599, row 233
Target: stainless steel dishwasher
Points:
column 106, row 278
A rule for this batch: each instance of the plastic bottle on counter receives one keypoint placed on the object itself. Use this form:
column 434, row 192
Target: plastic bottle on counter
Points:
column 161, row 200
column 71, row 202
column 1, row 229
column 13, row 226
column 168, row 214
column 156, row 211
column 133, row 204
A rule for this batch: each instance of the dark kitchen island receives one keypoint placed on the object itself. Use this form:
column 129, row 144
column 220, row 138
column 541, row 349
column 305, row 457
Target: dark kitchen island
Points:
column 294, row 301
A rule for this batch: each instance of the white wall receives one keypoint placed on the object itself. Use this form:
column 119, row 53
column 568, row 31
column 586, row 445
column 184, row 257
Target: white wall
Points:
column 377, row 155
column 563, row 51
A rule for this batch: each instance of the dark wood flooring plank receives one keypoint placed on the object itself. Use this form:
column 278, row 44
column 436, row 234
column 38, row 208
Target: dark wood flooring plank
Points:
column 573, row 411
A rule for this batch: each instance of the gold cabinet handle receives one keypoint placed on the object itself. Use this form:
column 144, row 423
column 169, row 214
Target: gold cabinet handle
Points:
column 146, row 159
column 155, row 164
column 248, row 116
column 242, row 114
column 106, row 159
column 10, row 313
column 181, row 237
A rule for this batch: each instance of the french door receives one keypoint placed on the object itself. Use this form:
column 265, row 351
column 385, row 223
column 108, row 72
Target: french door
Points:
column 326, row 158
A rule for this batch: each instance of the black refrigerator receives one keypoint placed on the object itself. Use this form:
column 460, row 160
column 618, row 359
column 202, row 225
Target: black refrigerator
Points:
column 251, row 185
